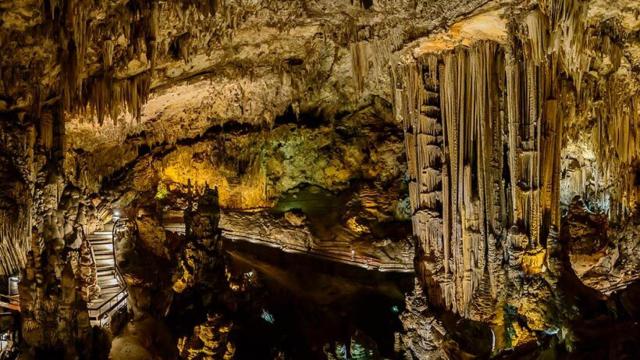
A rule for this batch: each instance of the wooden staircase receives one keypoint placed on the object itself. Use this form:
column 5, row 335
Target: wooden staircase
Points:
column 113, row 291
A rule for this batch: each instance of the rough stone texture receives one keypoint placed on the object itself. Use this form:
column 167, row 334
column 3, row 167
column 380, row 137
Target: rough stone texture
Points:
column 252, row 168
column 603, row 258
column 508, row 115
column 195, row 64
column 202, row 252
column 423, row 334
column 485, row 107
column 87, row 271
column 385, row 254
column 144, row 339
column 209, row 341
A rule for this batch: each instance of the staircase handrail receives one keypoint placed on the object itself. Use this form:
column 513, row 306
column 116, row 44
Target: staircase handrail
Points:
column 89, row 307
column 121, row 221
column 108, row 302
column 116, row 272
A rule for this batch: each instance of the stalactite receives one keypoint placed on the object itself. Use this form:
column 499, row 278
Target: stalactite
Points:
column 570, row 48
column 14, row 240
column 504, row 109
column 107, row 54
column 359, row 64
column 110, row 97
column 370, row 58
column 476, row 84
column 104, row 93
column 46, row 131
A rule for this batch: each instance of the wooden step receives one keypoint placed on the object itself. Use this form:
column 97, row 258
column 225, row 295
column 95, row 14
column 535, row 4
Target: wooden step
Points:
column 106, row 270
column 109, row 285
column 107, row 252
column 175, row 227
column 101, row 242
column 107, row 275
column 100, row 239
column 101, row 263
column 104, row 297
column 102, row 245
column 98, row 236
column 107, row 242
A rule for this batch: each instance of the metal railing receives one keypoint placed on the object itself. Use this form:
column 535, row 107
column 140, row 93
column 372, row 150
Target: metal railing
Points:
column 98, row 314
column 120, row 225
column 101, row 315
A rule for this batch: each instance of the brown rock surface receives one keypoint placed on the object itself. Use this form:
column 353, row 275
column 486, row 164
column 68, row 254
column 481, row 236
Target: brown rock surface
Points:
column 518, row 121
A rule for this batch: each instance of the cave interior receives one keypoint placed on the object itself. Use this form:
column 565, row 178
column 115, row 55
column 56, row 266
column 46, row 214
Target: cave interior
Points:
column 328, row 179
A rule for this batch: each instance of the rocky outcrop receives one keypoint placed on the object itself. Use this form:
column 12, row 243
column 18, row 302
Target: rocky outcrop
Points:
column 424, row 335
column 603, row 258
column 254, row 167
column 201, row 259
column 143, row 339
column 87, row 271
column 381, row 254
column 52, row 300
column 209, row 340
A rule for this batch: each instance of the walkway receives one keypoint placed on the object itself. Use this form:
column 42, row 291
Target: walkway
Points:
column 113, row 291
column 371, row 258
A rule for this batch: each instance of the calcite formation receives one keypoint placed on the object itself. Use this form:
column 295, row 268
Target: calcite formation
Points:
column 87, row 271
column 203, row 250
column 424, row 333
column 484, row 118
column 209, row 341
column 505, row 132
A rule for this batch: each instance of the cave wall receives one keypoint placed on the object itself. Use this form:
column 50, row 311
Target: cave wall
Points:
column 203, row 63
column 255, row 167
column 508, row 116
column 74, row 78
column 17, row 152
column 43, row 222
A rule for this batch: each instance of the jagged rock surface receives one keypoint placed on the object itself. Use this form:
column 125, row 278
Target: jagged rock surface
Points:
column 508, row 116
column 485, row 107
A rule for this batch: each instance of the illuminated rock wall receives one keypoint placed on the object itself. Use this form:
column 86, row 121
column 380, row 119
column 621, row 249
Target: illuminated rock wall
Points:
column 454, row 135
column 487, row 109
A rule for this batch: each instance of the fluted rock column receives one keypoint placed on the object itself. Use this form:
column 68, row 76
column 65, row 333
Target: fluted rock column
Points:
column 483, row 131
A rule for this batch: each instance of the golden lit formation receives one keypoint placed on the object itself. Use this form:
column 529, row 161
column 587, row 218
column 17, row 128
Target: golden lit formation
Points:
column 330, row 179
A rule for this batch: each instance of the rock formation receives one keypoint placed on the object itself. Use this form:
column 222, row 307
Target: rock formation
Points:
column 485, row 109
column 502, row 135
